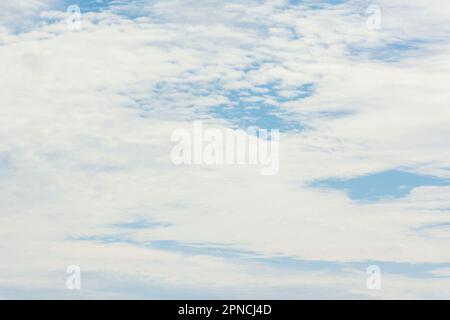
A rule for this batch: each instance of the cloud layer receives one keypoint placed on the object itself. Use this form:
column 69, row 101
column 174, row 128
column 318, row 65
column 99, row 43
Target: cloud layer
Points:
column 86, row 179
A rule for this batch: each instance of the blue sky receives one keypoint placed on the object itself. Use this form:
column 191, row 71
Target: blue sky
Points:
column 386, row 185
column 86, row 176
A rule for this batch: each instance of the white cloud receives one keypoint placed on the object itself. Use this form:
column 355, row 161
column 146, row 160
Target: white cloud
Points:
column 87, row 139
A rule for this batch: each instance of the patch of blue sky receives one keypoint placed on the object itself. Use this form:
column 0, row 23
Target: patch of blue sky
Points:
column 214, row 250
column 260, row 107
column 106, row 239
column 414, row 270
column 141, row 224
column 257, row 65
column 390, row 52
column 126, row 8
column 332, row 114
column 193, row 249
column 116, row 285
column 262, row 116
column 89, row 5
column 316, row 4
column 123, row 8
column 384, row 185
column 131, row 287
column 295, row 35
column 119, row 285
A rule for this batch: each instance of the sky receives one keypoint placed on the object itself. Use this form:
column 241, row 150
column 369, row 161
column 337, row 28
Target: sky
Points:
column 86, row 178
